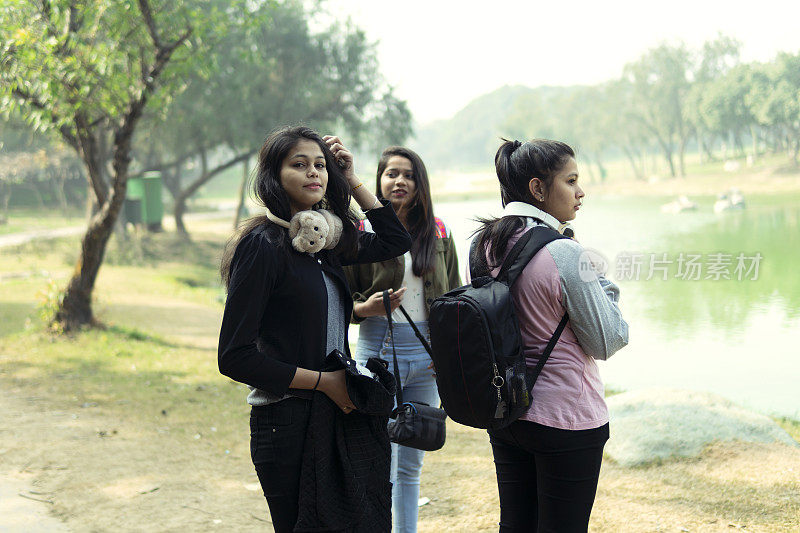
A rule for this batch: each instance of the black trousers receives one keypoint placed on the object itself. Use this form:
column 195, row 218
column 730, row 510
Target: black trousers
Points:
column 277, row 435
column 546, row 477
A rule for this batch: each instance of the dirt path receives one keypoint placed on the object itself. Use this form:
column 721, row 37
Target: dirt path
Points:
column 84, row 466
column 15, row 239
column 25, row 509
column 103, row 473
column 23, row 505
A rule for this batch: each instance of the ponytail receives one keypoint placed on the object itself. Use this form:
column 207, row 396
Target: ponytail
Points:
column 516, row 164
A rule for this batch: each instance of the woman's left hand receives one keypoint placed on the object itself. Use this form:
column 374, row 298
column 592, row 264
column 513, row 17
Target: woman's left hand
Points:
column 343, row 158
column 333, row 384
column 432, row 367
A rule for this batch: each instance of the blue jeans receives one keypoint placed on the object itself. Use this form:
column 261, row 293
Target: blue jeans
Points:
column 418, row 385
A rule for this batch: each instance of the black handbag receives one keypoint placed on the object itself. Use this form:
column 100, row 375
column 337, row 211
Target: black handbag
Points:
column 413, row 424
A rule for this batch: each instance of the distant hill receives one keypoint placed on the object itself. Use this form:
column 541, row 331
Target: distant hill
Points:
column 471, row 137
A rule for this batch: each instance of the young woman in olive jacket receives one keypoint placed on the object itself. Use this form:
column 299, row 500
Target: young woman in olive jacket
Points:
column 287, row 309
column 428, row 270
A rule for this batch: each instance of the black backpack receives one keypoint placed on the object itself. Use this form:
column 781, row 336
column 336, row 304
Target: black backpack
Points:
column 476, row 342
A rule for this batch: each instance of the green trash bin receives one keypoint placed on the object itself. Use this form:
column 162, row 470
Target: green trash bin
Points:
column 152, row 202
column 143, row 202
column 133, row 201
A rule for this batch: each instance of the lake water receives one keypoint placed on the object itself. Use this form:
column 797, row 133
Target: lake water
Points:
column 738, row 337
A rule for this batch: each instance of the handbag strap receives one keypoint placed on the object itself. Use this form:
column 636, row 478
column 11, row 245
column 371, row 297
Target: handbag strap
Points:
column 388, row 308
column 419, row 335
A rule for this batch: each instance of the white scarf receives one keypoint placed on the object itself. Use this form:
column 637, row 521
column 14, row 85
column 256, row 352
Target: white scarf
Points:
column 527, row 210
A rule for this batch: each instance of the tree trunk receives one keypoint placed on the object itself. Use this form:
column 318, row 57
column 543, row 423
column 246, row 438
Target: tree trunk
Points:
column 590, row 172
column 76, row 307
column 667, row 148
column 602, row 170
column 5, row 197
column 178, row 212
column 754, row 141
column 682, row 156
column 75, row 310
column 35, row 190
column 737, row 141
column 173, row 182
column 701, row 149
column 669, row 158
column 91, row 206
column 706, row 148
column 242, row 190
column 637, row 172
column 59, row 182
column 205, row 176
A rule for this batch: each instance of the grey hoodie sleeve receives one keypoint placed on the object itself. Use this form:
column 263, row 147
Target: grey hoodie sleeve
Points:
column 591, row 301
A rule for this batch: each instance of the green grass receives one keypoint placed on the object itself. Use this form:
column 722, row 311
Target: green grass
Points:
column 28, row 219
column 118, row 367
column 791, row 426
column 143, row 356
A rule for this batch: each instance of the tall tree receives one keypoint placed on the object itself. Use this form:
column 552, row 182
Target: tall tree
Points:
column 774, row 99
column 722, row 107
column 625, row 130
column 716, row 59
column 660, row 85
column 88, row 70
column 585, row 118
column 270, row 69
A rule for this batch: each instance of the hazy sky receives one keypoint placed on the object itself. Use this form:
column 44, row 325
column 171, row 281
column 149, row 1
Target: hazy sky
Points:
column 440, row 54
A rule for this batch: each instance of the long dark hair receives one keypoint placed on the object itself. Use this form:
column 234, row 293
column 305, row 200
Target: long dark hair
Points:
column 516, row 164
column 269, row 192
column 420, row 219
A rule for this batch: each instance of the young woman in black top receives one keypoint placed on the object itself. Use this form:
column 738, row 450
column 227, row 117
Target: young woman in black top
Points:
column 287, row 309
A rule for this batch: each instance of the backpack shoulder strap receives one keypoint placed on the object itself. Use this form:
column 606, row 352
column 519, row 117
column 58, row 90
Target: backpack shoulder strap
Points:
column 523, row 251
column 441, row 229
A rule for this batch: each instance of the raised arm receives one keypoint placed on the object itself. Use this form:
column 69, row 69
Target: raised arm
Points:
column 390, row 238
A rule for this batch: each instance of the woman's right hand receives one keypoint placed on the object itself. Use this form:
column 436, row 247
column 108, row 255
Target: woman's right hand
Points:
column 334, row 386
column 373, row 306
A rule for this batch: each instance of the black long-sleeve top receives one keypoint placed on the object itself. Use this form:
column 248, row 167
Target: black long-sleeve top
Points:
column 276, row 313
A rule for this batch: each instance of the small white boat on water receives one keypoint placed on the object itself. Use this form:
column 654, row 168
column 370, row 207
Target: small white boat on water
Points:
column 679, row 206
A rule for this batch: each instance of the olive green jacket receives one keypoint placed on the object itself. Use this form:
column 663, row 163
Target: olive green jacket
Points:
column 369, row 278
